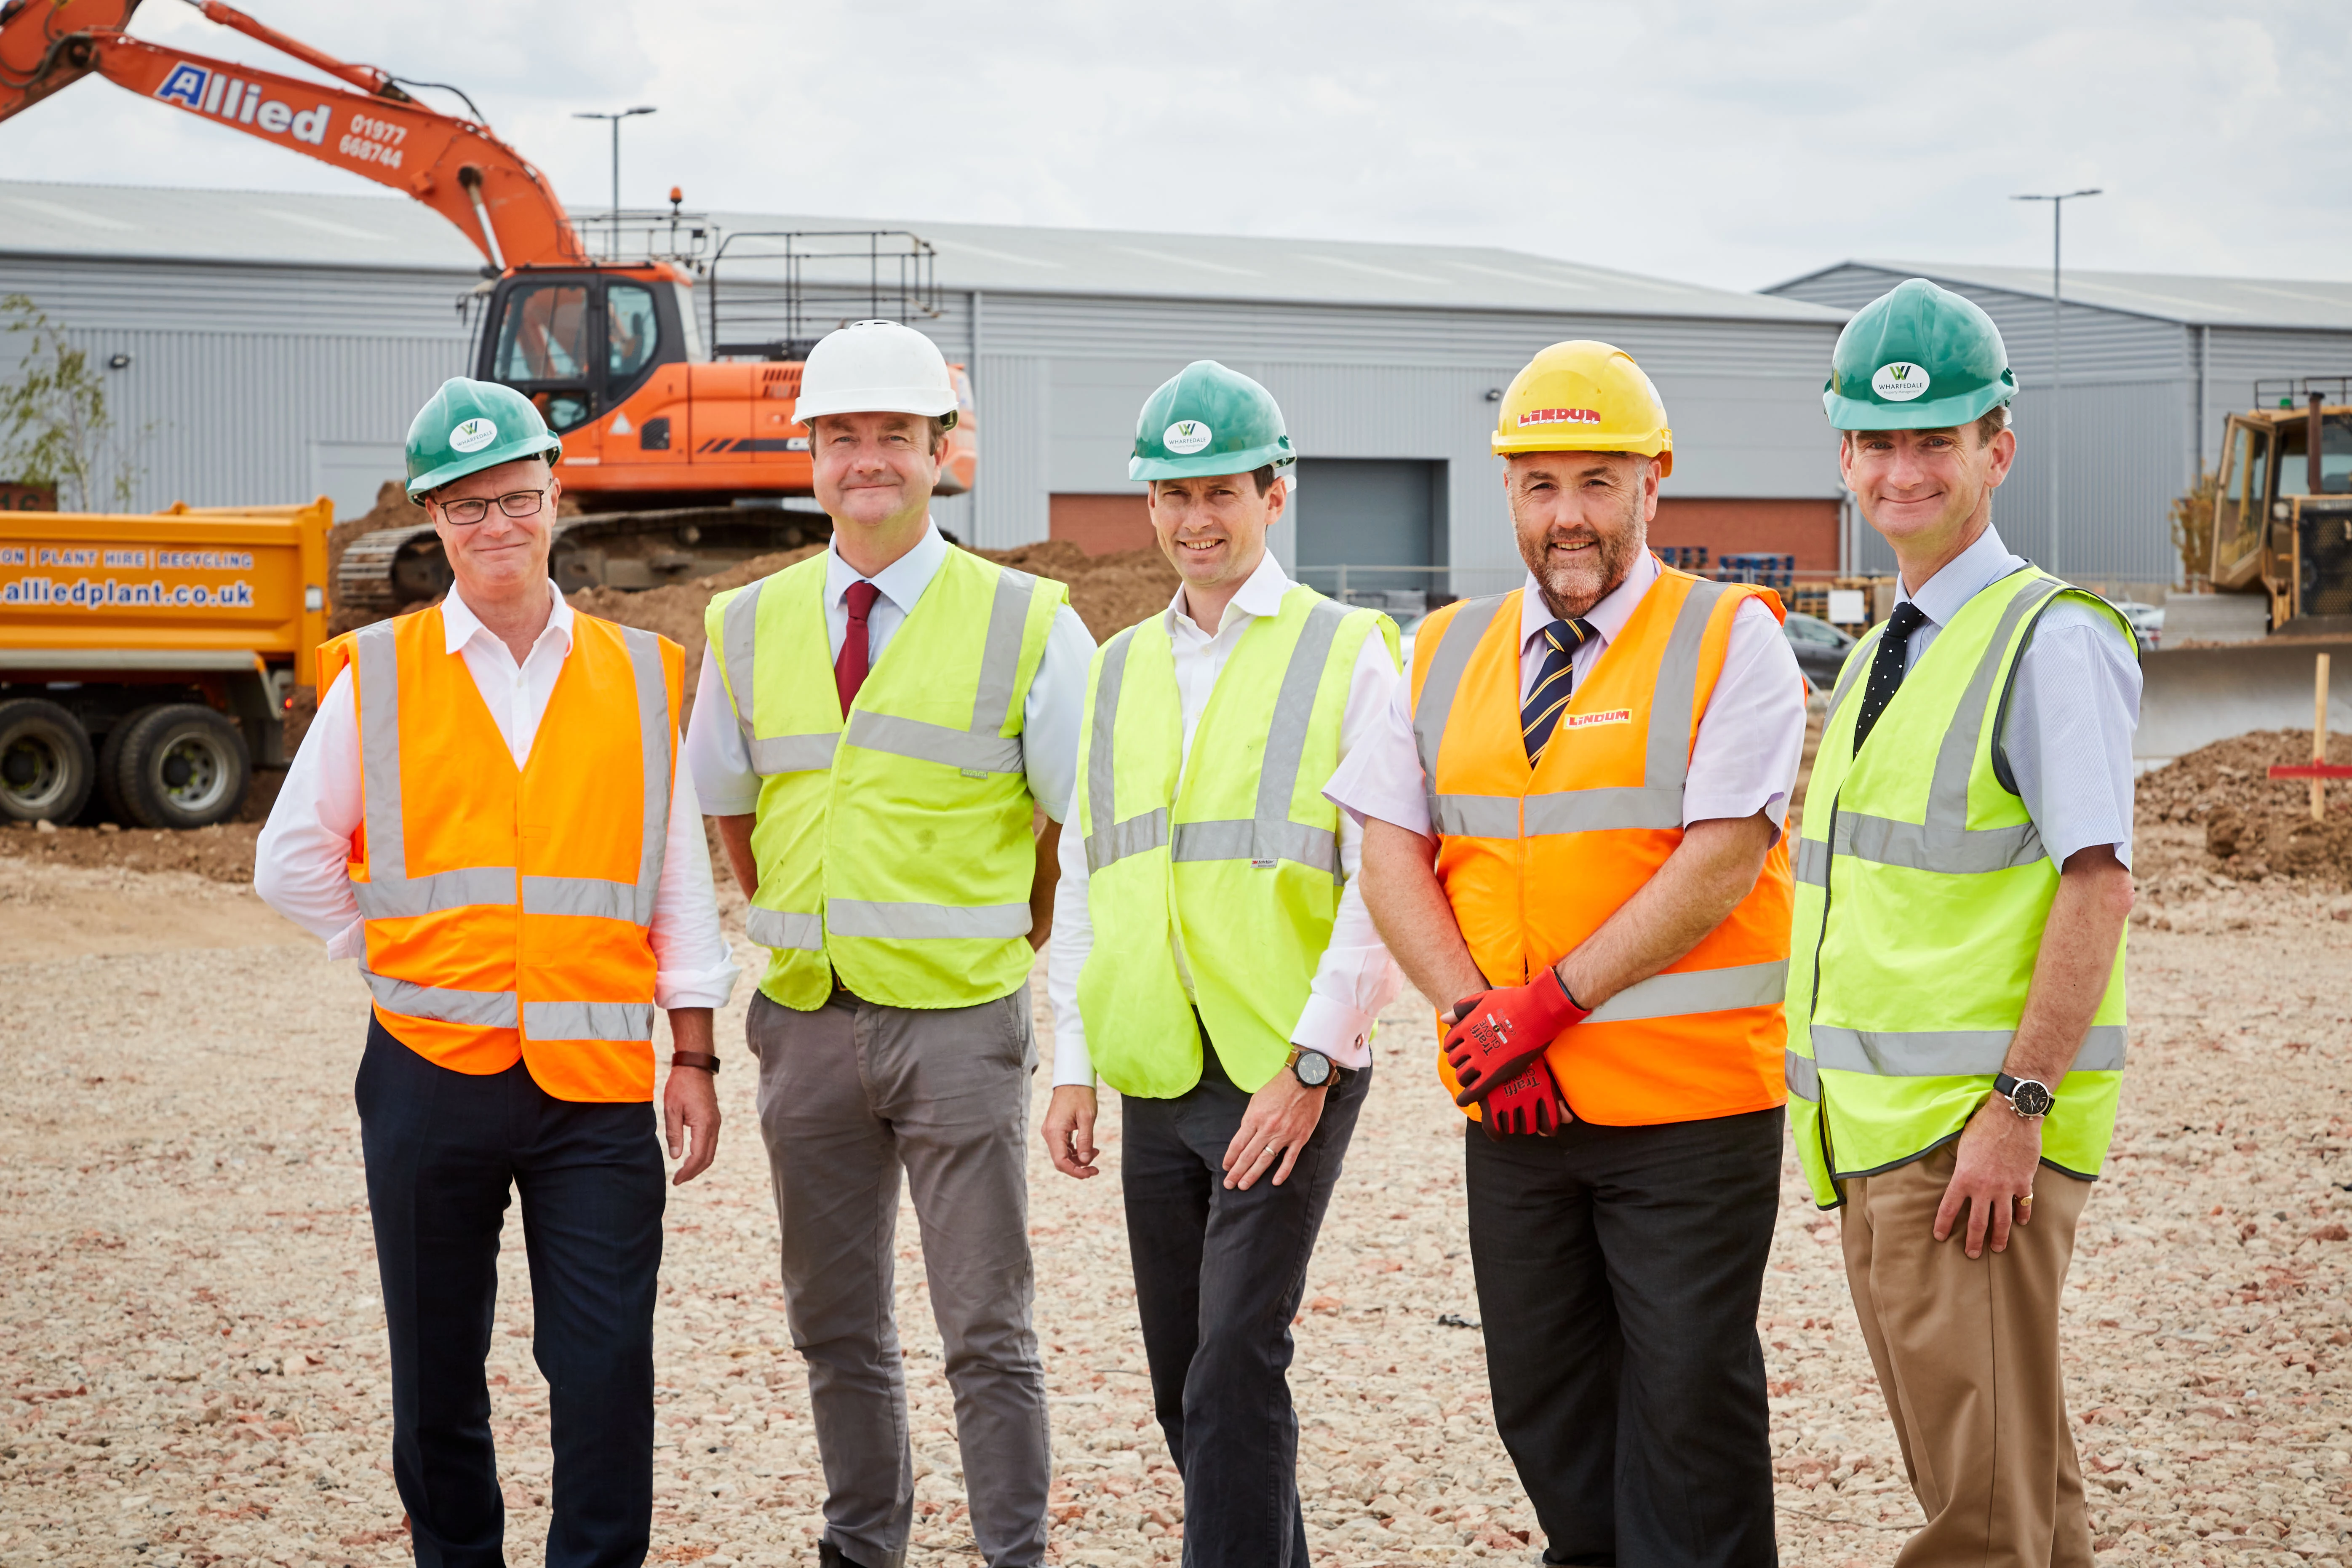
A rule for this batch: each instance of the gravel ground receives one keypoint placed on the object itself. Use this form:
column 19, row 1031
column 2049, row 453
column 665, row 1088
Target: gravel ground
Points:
column 194, row 1355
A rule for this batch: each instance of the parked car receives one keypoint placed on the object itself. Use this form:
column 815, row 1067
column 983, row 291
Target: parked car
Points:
column 1821, row 648
column 2146, row 621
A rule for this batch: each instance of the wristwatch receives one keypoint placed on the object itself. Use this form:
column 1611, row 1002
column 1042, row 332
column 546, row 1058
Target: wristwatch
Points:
column 1313, row 1070
column 2027, row 1097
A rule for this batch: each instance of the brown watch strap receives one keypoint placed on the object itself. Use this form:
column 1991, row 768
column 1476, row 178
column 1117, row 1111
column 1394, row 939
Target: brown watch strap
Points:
column 702, row 1059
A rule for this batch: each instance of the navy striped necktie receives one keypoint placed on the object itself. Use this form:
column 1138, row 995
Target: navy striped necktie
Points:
column 1555, row 684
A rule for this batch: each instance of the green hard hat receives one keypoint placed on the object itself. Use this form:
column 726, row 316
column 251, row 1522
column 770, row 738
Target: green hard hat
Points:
column 1916, row 358
column 469, row 425
column 1206, row 419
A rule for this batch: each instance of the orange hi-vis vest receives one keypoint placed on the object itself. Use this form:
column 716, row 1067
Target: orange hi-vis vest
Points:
column 1534, row 860
column 507, row 909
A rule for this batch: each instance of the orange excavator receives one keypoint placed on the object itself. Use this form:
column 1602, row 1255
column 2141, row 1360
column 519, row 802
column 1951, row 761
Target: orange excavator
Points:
column 662, row 444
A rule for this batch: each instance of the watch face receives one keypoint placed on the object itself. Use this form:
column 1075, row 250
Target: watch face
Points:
column 1312, row 1067
column 2030, row 1098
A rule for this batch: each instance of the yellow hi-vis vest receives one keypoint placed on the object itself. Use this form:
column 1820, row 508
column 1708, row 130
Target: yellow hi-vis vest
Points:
column 1922, row 891
column 1240, row 854
column 894, row 849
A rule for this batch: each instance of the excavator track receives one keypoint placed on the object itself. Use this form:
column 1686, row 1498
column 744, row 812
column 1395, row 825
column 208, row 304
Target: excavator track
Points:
column 383, row 571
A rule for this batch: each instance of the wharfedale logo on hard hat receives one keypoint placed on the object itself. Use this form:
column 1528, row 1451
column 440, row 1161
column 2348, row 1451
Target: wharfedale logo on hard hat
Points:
column 1559, row 417
column 472, row 436
column 1900, row 382
column 1187, row 437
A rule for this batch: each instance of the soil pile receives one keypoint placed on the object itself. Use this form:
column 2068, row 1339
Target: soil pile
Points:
column 222, row 853
column 2255, row 826
column 393, row 508
column 1108, row 592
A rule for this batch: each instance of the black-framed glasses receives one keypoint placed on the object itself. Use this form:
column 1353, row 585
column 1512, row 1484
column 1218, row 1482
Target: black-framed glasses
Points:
column 471, row 509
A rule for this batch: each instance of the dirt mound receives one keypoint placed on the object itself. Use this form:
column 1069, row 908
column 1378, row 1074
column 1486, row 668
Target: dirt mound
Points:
column 1108, row 592
column 219, row 854
column 393, row 508
column 2256, row 826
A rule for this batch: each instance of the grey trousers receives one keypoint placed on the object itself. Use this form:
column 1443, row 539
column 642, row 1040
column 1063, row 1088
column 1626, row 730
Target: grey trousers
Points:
column 848, row 1095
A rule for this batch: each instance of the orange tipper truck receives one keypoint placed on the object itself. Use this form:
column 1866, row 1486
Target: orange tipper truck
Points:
column 149, row 660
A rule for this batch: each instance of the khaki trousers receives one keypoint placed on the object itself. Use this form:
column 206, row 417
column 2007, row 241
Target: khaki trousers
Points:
column 1967, row 1353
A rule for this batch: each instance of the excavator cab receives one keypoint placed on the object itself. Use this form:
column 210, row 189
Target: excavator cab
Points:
column 579, row 343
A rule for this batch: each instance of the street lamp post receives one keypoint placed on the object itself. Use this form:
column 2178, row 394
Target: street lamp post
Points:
column 616, row 117
column 2057, row 346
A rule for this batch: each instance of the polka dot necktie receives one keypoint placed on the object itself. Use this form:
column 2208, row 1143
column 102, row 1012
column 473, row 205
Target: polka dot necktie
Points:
column 1555, row 683
column 1887, row 666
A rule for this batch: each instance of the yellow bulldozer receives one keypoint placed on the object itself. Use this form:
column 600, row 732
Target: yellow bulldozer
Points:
column 2282, row 512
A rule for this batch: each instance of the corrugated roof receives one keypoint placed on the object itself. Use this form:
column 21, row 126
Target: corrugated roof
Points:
column 128, row 222
column 2167, row 296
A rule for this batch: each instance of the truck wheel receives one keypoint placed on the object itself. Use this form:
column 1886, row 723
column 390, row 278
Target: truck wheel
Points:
column 181, row 765
column 46, row 765
column 110, row 766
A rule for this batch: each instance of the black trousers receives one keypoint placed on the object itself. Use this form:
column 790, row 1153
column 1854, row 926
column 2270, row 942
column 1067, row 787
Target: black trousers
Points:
column 443, row 1149
column 1619, row 1271
column 1218, row 1276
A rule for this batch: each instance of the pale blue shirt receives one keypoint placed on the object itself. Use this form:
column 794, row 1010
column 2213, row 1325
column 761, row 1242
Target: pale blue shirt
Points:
column 721, row 761
column 2072, row 705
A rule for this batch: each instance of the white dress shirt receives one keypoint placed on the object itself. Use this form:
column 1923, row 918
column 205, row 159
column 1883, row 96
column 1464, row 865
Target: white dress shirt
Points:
column 720, row 760
column 1744, row 760
column 2072, row 705
column 1355, row 978
column 299, row 862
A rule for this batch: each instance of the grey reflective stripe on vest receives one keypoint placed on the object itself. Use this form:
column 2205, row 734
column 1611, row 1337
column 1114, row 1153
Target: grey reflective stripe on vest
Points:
column 990, row 753
column 1462, row 636
column 382, row 900
column 588, row 1020
column 793, row 753
column 480, row 1009
column 1803, row 1076
column 1656, row 802
column 1948, row 1053
column 390, row 893
column 901, row 922
column 1109, row 838
column 1944, row 842
column 786, row 928
column 1269, row 837
column 1697, row 991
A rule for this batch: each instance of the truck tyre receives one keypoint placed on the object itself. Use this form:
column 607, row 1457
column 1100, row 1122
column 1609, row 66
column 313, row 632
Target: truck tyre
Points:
column 46, row 765
column 110, row 766
column 180, row 765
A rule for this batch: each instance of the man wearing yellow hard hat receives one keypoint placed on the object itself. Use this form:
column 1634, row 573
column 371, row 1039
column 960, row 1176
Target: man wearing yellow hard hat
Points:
column 1573, row 844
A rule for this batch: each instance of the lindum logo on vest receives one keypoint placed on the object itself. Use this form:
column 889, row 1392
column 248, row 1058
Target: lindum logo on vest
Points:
column 1587, row 720
column 1900, row 382
column 1187, row 437
column 472, row 436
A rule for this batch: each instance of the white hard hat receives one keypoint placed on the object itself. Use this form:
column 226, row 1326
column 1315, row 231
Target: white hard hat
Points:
column 874, row 367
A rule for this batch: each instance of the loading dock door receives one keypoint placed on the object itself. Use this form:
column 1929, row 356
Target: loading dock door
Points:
column 1383, row 518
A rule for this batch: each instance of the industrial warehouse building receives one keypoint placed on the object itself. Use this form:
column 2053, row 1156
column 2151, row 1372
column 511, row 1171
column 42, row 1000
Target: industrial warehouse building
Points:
column 2153, row 365
column 270, row 347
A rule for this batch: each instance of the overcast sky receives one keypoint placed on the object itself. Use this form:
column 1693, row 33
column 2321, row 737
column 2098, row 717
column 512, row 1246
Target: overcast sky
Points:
column 1734, row 144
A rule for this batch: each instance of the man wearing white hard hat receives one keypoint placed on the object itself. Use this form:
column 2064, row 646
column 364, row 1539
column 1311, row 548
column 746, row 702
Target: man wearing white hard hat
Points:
column 875, row 730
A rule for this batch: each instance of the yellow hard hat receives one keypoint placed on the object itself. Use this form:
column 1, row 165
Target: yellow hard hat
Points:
column 1584, row 396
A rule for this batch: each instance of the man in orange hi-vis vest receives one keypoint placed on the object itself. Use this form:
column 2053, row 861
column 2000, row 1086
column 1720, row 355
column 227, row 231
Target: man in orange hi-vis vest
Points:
column 1573, row 844
column 488, row 814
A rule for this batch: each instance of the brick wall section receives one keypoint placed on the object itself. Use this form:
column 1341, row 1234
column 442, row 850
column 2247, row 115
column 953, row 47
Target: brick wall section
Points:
column 1807, row 529
column 1103, row 524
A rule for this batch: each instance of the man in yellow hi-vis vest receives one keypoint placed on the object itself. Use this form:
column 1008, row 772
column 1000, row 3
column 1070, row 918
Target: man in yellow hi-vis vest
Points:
column 1956, row 989
column 1212, row 955
column 876, row 727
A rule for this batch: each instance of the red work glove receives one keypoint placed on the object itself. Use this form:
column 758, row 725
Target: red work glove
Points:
column 1528, row 1103
column 1498, row 1032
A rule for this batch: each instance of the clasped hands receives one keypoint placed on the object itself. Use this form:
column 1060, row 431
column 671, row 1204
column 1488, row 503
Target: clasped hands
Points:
column 1495, row 1049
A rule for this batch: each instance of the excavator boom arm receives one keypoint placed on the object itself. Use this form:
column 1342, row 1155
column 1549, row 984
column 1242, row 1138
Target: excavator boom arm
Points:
column 455, row 166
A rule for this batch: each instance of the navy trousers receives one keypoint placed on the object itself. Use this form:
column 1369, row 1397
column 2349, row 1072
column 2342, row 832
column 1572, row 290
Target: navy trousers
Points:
column 443, row 1151
column 1218, row 1275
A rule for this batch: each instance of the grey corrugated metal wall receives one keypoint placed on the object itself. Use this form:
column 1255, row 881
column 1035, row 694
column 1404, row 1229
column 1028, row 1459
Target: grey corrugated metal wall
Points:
column 254, row 384
column 2130, row 419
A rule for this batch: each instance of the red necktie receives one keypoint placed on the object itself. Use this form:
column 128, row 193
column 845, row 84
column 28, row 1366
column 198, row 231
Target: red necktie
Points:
column 849, row 670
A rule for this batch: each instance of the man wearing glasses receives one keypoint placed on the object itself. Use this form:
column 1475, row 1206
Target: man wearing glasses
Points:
column 488, row 814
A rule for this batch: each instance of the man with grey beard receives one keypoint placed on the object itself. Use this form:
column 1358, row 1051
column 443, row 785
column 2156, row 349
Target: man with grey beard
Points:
column 1573, row 837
